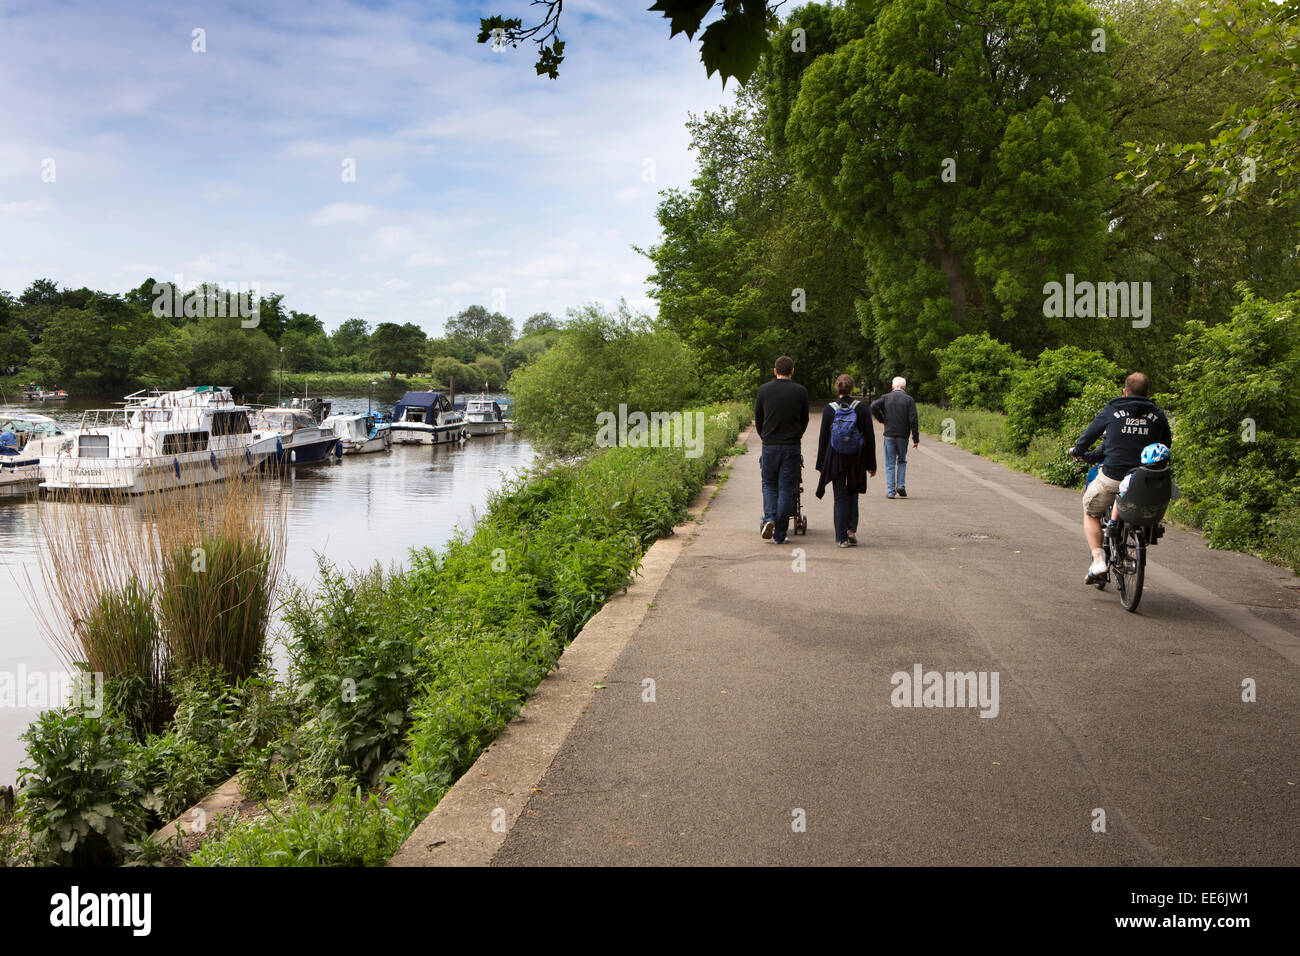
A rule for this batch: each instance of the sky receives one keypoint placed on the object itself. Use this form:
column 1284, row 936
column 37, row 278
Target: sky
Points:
column 476, row 181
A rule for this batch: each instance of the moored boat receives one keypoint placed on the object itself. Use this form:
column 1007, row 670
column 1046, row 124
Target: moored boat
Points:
column 426, row 418
column 24, row 437
column 159, row 440
column 360, row 434
column 39, row 393
column 299, row 439
column 484, row 416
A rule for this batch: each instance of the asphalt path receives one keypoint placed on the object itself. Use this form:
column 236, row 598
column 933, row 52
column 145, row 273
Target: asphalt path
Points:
column 773, row 736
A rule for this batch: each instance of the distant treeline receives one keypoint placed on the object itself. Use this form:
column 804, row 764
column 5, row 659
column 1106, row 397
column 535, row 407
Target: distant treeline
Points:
column 93, row 342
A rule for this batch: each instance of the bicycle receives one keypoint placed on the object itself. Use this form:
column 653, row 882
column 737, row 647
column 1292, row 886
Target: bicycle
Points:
column 1136, row 529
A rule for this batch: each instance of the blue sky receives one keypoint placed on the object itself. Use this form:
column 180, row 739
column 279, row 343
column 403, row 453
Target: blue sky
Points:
column 476, row 180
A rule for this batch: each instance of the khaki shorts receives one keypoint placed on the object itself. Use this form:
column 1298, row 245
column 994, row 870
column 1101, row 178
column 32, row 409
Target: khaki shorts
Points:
column 1099, row 497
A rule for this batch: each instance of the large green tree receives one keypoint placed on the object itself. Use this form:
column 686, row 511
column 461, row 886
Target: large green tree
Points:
column 963, row 146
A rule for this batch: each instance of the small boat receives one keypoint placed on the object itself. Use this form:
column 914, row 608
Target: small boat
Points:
column 159, row 440
column 360, row 434
column 20, row 456
column 427, row 418
column 483, row 416
column 39, row 393
column 299, row 439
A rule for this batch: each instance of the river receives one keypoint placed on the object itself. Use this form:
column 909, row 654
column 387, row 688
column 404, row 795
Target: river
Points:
column 355, row 511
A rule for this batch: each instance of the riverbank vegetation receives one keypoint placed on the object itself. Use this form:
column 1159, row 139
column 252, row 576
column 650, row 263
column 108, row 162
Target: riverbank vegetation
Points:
column 162, row 605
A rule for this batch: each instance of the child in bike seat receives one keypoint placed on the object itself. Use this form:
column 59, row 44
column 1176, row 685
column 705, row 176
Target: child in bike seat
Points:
column 1146, row 491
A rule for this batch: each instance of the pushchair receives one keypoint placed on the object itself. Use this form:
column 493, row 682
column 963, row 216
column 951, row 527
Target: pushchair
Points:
column 798, row 520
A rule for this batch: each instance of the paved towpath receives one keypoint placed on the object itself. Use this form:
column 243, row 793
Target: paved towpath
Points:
column 773, row 696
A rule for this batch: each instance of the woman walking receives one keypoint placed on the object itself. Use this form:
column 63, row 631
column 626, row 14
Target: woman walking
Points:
column 846, row 455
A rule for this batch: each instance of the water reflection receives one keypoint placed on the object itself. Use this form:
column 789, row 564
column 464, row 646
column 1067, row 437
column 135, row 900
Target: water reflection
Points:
column 355, row 512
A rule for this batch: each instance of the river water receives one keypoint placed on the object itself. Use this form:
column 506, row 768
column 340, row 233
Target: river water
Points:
column 355, row 512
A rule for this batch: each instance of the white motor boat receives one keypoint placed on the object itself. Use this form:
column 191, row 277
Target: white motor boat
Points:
column 360, row 434
column 159, row 440
column 426, row 418
column 20, row 455
column 299, row 439
column 483, row 416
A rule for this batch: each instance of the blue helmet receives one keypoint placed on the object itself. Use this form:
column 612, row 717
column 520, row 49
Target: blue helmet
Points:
column 1155, row 453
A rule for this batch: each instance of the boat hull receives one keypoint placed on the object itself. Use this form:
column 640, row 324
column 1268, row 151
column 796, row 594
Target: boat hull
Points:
column 314, row 452
column 488, row 428
column 414, row 433
column 369, row 445
column 138, row 476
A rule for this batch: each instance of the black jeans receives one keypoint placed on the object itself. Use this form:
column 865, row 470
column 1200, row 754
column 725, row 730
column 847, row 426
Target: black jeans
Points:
column 846, row 509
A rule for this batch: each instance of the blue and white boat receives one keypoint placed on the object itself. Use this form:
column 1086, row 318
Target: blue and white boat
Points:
column 360, row 434
column 427, row 418
column 299, row 439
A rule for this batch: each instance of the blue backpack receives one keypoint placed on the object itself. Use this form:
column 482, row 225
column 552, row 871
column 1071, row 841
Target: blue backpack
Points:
column 845, row 437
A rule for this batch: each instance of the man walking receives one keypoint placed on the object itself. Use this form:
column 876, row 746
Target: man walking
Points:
column 897, row 412
column 780, row 418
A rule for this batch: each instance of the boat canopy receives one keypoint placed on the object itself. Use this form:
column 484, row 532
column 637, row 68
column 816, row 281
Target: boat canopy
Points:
column 430, row 402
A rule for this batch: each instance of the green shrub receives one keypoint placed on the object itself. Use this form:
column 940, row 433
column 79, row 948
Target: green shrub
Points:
column 354, row 829
column 1049, row 458
column 1236, row 412
column 978, row 371
column 355, row 670
column 79, row 803
column 1039, row 396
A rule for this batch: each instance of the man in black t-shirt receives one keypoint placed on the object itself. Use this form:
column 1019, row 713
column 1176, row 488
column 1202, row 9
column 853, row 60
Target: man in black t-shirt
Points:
column 780, row 418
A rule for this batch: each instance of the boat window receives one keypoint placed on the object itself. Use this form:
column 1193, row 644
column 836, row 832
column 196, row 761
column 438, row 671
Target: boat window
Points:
column 93, row 446
column 415, row 414
column 178, row 443
column 229, row 423
column 303, row 421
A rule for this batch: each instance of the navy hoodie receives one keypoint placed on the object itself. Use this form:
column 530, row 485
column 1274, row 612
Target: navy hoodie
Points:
column 1130, row 423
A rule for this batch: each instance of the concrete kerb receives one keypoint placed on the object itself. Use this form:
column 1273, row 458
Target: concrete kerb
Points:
column 471, row 822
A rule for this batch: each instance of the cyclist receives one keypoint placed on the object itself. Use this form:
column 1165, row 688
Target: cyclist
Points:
column 1129, row 423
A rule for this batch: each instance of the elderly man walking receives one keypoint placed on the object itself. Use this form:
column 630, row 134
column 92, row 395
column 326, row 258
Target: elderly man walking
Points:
column 897, row 412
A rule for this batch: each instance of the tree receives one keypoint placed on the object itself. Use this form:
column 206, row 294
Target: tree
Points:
column 601, row 360
column 223, row 352
column 731, row 45
column 477, row 323
column 398, row 349
column 491, row 371
column 750, row 266
column 162, row 362
column 352, row 337
column 963, row 146
column 539, row 322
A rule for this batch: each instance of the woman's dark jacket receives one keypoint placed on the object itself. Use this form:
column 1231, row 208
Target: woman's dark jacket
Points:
column 832, row 464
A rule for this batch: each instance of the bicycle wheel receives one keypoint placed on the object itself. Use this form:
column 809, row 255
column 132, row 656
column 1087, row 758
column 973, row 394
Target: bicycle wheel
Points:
column 1132, row 568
